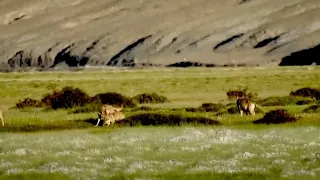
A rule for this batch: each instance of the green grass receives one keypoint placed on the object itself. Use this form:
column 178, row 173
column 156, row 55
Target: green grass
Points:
column 274, row 152
column 37, row 143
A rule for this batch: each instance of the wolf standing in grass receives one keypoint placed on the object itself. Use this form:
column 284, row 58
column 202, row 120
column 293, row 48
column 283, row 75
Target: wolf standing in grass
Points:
column 245, row 105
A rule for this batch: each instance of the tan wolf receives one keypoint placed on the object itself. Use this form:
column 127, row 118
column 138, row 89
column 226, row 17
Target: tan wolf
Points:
column 107, row 110
column 112, row 118
column 245, row 105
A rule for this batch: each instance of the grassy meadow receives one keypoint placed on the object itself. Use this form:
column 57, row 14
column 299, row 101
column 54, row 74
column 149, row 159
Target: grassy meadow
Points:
column 41, row 143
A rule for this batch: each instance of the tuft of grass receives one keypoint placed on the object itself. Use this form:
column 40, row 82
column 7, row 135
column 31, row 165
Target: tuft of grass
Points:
column 28, row 102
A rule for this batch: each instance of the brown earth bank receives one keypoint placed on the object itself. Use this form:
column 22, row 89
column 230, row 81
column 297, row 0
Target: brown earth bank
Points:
column 46, row 34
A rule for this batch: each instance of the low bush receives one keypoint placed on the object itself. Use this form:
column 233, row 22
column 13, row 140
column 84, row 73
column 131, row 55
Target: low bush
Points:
column 276, row 117
column 193, row 109
column 155, row 119
column 113, row 98
column 28, row 102
column 233, row 110
column 67, row 97
column 312, row 109
column 207, row 107
column 150, row 98
column 284, row 100
column 304, row 101
column 92, row 107
column 307, row 92
column 143, row 108
column 233, row 94
column 213, row 107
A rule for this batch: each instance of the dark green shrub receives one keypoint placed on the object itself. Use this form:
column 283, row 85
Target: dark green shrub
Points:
column 233, row 110
column 150, row 98
column 207, row 107
column 312, row 109
column 67, row 97
column 212, row 107
column 155, row 119
column 233, row 94
column 192, row 109
column 304, row 101
column 307, row 92
column 113, row 98
column 92, row 107
column 28, row 102
column 201, row 120
column 142, row 108
column 276, row 117
column 283, row 101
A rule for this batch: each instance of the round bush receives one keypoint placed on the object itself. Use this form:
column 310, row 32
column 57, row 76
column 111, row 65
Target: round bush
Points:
column 113, row 98
column 67, row 97
column 307, row 92
column 233, row 94
column 150, row 98
column 276, row 117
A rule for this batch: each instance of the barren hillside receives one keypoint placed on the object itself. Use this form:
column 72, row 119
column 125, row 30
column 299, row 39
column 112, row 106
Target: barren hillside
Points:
column 55, row 33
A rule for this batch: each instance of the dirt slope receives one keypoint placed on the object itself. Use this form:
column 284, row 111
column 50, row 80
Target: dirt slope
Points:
column 56, row 33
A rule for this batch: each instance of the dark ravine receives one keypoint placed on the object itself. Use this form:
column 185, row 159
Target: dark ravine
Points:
column 41, row 36
column 124, row 57
column 304, row 57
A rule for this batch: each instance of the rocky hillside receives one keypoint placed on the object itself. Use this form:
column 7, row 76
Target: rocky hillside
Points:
column 56, row 33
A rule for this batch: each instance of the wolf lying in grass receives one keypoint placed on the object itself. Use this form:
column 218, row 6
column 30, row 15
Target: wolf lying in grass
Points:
column 112, row 118
column 106, row 111
column 245, row 105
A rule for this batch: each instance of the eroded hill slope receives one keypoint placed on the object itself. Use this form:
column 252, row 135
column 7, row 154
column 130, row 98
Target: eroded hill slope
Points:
column 51, row 33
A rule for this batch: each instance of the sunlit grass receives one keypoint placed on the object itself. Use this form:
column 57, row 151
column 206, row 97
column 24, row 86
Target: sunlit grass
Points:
column 39, row 143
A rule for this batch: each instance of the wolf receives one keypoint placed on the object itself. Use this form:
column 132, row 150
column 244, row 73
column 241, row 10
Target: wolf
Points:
column 112, row 118
column 107, row 110
column 245, row 105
